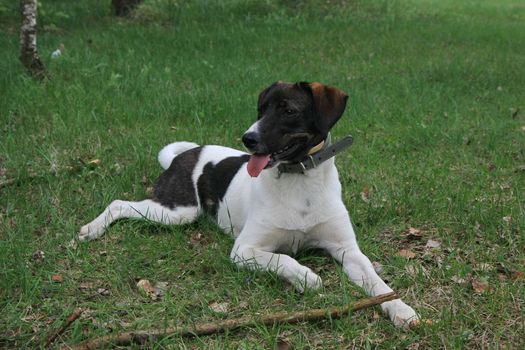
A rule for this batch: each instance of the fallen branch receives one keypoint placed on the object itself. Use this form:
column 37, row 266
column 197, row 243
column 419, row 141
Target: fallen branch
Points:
column 71, row 318
column 141, row 337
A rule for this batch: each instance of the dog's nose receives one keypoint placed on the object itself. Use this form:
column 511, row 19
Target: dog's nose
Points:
column 250, row 140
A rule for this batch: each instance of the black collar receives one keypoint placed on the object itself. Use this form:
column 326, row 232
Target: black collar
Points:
column 314, row 160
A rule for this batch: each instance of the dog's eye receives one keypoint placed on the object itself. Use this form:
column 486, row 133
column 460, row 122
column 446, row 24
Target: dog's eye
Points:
column 289, row 112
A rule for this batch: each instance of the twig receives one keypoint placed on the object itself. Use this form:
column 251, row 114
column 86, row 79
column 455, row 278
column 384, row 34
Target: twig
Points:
column 128, row 338
column 71, row 318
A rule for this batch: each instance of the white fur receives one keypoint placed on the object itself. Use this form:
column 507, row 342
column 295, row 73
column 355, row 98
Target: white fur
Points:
column 254, row 127
column 270, row 214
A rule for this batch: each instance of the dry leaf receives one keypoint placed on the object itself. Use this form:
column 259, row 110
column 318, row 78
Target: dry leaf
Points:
column 196, row 239
column 73, row 244
column 365, row 194
column 94, row 162
column 504, row 186
column 221, row 308
column 483, row 267
column 406, row 253
column 517, row 275
column 33, row 317
column 413, row 346
column 432, row 244
column 147, row 289
column 38, row 256
column 421, row 322
column 414, row 233
column 103, row 291
column 283, row 344
column 196, row 236
column 160, row 288
column 57, row 278
column 458, row 279
column 412, row 270
column 479, row 286
column 86, row 285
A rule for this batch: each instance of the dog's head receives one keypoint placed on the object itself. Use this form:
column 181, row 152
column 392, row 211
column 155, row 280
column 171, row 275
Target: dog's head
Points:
column 292, row 119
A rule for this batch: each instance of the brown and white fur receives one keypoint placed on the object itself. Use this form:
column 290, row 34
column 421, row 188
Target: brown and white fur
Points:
column 267, row 212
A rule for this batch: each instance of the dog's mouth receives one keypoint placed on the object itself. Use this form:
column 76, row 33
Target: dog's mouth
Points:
column 258, row 162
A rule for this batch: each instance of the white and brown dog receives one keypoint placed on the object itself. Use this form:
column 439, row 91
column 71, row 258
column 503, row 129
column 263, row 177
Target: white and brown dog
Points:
column 283, row 196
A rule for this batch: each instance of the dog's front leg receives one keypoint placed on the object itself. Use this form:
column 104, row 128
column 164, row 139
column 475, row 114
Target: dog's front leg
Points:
column 254, row 248
column 338, row 238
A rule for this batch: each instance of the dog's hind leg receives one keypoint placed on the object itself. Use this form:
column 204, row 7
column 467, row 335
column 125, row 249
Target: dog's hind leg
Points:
column 146, row 209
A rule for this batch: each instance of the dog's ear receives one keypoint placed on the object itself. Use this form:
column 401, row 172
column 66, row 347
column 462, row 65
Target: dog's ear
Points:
column 329, row 102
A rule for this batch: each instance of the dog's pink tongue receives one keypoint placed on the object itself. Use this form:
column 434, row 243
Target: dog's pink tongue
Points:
column 257, row 163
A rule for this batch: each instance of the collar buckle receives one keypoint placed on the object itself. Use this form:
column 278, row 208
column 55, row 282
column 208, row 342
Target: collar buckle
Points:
column 303, row 167
column 314, row 165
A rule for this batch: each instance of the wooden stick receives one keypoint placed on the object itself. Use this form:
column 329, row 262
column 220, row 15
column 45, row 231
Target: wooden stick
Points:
column 141, row 337
column 71, row 318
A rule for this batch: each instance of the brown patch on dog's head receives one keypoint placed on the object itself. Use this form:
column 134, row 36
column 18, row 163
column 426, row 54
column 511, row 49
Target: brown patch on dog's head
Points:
column 330, row 103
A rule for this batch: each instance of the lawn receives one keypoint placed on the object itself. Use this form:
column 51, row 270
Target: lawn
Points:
column 434, row 183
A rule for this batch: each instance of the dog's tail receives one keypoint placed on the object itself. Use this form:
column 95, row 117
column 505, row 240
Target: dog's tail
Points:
column 170, row 151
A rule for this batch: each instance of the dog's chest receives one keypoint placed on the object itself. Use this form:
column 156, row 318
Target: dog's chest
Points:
column 303, row 215
column 298, row 204
column 300, row 214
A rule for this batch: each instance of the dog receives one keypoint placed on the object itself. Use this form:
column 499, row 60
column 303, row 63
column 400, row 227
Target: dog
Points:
column 283, row 195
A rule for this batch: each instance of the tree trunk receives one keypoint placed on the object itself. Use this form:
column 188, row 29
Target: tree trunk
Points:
column 28, row 52
column 124, row 7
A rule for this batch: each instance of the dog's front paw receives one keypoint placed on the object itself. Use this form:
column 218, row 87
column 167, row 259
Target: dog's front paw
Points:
column 90, row 231
column 307, row 279
column 400, row 313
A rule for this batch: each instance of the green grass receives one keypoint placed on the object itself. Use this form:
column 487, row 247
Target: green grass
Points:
column 437, row 111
